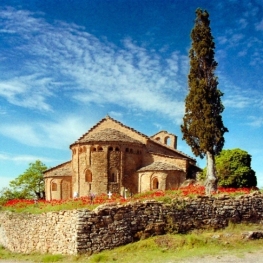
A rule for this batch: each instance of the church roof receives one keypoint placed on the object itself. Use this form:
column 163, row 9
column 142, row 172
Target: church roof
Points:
column 159, row 166
column 122, row 137
column 63, row 169
column 108, row 134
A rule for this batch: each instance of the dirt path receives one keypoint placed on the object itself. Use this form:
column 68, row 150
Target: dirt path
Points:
column 253, row 257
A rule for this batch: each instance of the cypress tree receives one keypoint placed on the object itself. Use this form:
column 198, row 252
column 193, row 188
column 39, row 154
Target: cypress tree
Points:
column 203, row 127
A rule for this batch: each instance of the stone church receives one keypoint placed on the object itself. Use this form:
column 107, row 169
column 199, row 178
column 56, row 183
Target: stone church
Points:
column 112, row 157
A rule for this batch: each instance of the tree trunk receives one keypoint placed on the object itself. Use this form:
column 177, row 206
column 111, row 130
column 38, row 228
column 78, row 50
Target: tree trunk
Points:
column 211, row 179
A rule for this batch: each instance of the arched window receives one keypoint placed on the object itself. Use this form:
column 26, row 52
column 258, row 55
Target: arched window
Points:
column 113, row 176
column 155, row 183
column 117, row 149
column 110, row 149
column 88, row 176
column 93, row 149
column 157, row 138
column 100, row 149
column 54, row 187
column 127, row 150
column 167, row 140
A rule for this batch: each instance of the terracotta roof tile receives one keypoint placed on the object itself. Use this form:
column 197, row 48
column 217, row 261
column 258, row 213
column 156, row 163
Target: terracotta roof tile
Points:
column 104, row 119
column 63, row 169
column 159, row 166
column 108, row 134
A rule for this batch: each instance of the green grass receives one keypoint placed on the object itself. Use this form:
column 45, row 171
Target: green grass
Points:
column 163, row 249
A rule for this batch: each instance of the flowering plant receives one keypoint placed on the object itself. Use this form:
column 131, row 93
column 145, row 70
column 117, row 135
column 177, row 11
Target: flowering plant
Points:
column 38, row 206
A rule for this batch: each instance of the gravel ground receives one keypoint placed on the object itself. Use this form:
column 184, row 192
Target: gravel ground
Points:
column 253, row 257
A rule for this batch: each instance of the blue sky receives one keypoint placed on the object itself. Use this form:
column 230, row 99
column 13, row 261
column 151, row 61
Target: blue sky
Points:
column 67, row 64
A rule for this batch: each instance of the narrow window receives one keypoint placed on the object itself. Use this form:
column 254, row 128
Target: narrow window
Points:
column 155, row 183
column 100, row 149
column 54, row 187
column 113, row 175
column 88, row 176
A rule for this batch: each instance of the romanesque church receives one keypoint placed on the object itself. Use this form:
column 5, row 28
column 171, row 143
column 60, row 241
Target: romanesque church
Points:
column 112, row 157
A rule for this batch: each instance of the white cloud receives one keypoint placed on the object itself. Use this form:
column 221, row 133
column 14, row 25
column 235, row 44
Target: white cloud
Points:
column 47, row 134
column 23, row 158
column 26, row 91
column 259, row 26
column 94, row 71
column 238, row 97
column 255, row 121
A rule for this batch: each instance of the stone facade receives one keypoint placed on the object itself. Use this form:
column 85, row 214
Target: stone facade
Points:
column 112, row 225
column 112, row 157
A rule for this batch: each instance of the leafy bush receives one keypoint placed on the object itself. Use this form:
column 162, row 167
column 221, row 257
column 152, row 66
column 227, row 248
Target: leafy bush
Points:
column 234, row 169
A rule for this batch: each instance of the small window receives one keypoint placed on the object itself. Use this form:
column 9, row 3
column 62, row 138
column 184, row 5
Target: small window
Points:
column 88, row 176
column 110, row 149
column 93, row 149
column 54, row 187
column 127, row 150
column 100, row 149
column 113, row 175
column 155, row 184
column 117, row 149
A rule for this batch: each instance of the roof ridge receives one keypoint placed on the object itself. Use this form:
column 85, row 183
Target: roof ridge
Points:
column 104, row 119
column 55, row 167
column 171, row 148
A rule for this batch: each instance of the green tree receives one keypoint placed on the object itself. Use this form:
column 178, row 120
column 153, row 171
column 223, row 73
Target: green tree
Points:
column 31, row 183
column 202, row 127
column 234, row 169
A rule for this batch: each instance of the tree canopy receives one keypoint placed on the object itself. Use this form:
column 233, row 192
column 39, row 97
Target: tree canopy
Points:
column 234, row 169
column 30, row 184
column 203, row 127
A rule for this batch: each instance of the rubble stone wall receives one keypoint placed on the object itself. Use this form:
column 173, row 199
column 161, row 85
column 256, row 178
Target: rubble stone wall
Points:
column 112, row 225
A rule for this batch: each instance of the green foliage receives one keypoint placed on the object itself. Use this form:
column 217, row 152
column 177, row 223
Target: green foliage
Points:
column 203, row 128
column 52, row 258
column 28, row 185
column 234, row 169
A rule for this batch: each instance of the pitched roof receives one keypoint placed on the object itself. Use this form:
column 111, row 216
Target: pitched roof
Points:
column 63, row 169
column 108, row 134
column 83, row 137
column 104, row 119
column 159, row 166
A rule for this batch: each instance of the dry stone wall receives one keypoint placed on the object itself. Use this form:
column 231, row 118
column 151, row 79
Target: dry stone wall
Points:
column 46, row 233
column 112, row 225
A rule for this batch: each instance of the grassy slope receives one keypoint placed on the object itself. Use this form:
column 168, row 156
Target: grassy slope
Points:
column 162, row 249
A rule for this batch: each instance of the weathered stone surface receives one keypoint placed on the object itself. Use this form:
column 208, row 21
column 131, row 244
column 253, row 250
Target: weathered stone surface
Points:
column 84, row 231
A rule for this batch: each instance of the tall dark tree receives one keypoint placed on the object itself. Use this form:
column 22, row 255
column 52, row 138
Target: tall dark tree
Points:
column 203, row 127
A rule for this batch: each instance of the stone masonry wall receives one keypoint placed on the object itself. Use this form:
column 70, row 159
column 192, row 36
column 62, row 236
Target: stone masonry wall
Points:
column 53, row 232
column 112, row 225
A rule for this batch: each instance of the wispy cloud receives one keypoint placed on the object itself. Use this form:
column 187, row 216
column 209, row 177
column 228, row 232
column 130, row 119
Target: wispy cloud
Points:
column 23, row 158
column 259, row 26
column 94, row 71
column 47, row 134
column 239, row 98
column 26, row 91
column 255, row 121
